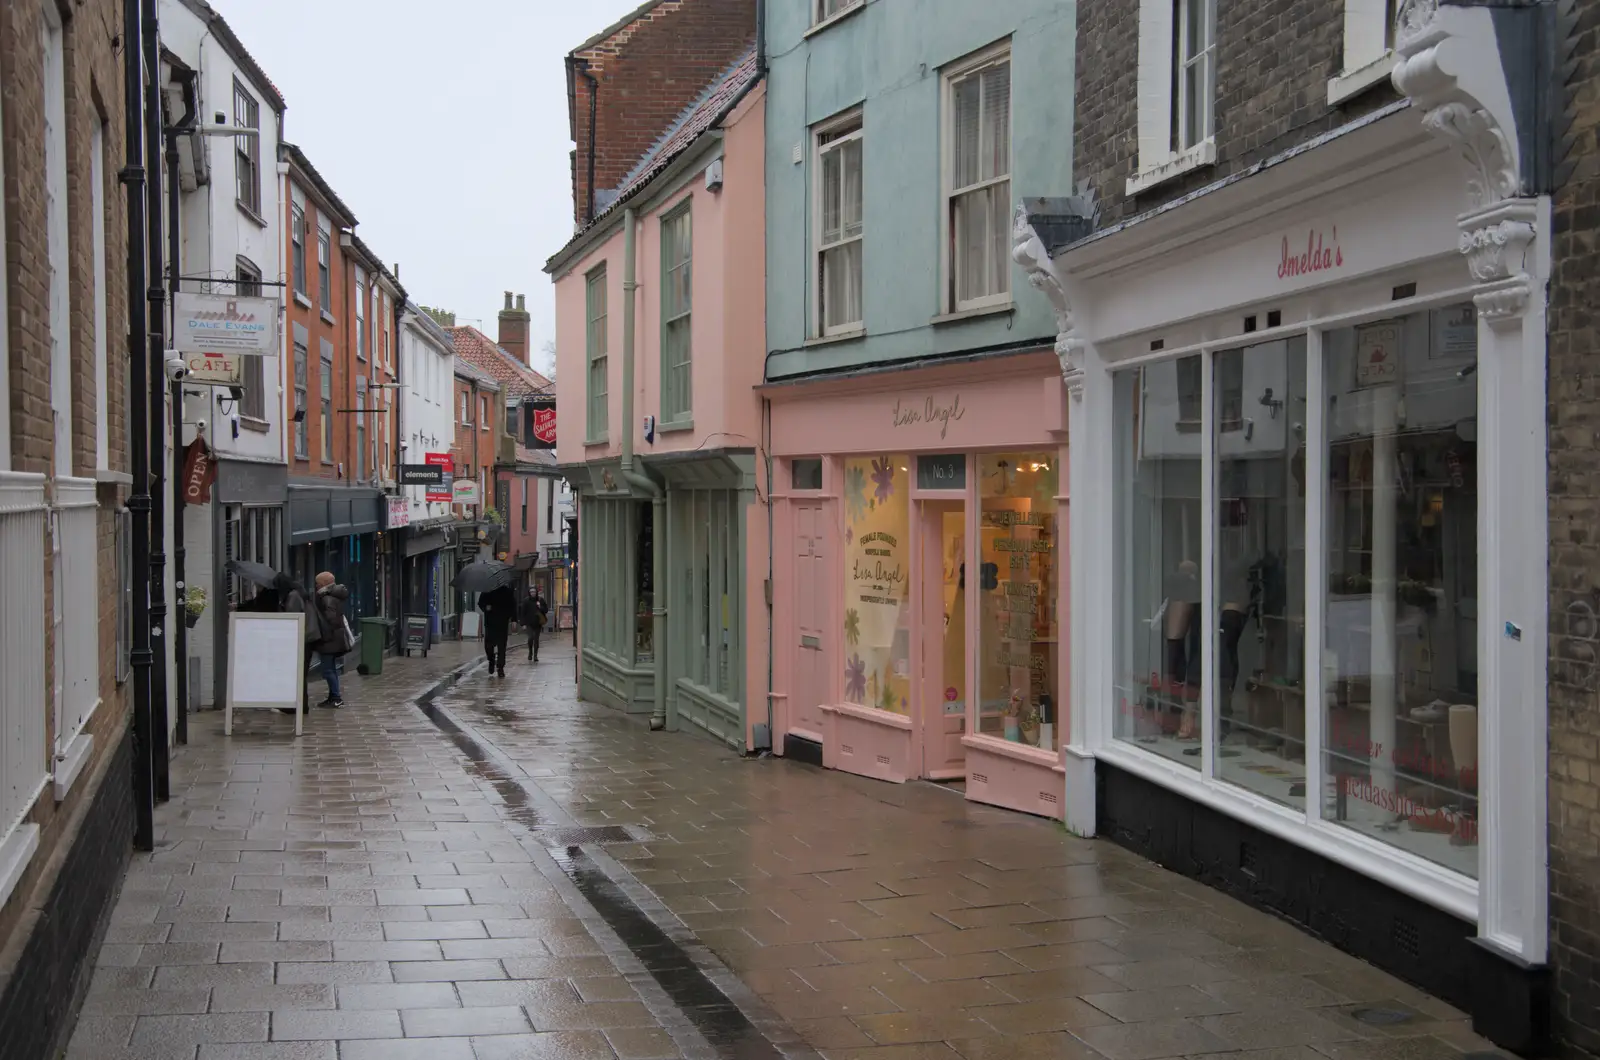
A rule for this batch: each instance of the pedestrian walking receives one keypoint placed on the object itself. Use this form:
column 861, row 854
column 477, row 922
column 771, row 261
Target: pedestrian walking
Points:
column 292, row 599
column 337, row 638
column 499, row 607
column 535, row 612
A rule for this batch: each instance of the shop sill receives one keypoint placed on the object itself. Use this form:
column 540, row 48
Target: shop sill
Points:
column 675, row 427
column 107, row 477
column 261, row 222
column 1352, row 83
column 887, row 719
column 327, row 317
column 835, row 19
column 1201, row 154
column 16, row 850
column 301, row 300
column 600, row 439
column 1431, row 884
column 828, row 340
column 69, row 765
column 1005, row 308
column 1021, row 752
column 250, row 423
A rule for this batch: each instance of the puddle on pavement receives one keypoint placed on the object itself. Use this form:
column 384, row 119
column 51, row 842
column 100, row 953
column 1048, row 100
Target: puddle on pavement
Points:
column 727, row 1029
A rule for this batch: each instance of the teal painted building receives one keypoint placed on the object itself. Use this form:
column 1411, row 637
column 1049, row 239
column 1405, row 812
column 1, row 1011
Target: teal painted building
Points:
column 892, row 70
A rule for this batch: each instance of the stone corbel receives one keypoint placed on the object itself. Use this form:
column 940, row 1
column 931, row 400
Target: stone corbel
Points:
column 1029, row 251
column 1495, row 242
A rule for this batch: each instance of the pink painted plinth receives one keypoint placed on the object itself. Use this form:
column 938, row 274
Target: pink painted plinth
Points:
column 1015, row 776
column 868, row 742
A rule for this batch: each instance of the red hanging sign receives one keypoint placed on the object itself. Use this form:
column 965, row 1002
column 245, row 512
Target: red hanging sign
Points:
column 199, row 472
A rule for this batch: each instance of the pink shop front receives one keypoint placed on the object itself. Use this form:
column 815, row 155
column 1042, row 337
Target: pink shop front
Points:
column 919, row 556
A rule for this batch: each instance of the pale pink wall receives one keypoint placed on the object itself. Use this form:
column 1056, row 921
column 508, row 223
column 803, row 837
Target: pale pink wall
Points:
column 728, row 326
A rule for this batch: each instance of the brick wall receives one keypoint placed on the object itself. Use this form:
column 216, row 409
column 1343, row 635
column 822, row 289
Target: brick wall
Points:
column 648, row 71
column 1574, row 483
column 55, row 915
column 1274, row 60
column 473, row 446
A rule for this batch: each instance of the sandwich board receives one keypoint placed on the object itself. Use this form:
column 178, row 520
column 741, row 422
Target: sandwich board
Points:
column 271, row 673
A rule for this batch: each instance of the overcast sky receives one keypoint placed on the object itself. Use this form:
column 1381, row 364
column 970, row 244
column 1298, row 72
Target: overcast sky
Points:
column 443, row 126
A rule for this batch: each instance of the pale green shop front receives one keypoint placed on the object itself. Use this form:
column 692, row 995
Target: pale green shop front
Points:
column 703, row 514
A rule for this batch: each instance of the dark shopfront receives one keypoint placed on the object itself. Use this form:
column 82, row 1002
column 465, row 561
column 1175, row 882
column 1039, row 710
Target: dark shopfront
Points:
column 246, row 521
column 429, row 569
column 337, row 530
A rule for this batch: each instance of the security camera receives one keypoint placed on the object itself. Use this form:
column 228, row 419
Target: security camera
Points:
column 177, row 368
column 200, row 425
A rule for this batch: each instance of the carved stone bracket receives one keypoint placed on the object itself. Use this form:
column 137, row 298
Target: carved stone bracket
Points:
column 1495, row 241
column 1029, row 251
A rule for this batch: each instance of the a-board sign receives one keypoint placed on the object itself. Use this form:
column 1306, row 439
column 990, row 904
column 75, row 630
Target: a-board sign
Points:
column 266, row 664
column 471, row 624
column 417, row 634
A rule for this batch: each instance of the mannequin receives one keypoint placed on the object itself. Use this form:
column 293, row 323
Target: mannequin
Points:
column 1182, row 634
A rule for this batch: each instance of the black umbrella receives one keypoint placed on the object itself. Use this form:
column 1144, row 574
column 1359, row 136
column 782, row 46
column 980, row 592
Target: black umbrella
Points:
column 254, row 573
column 485, row 576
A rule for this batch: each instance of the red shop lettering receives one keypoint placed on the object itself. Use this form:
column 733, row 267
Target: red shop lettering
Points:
column 1316, row 258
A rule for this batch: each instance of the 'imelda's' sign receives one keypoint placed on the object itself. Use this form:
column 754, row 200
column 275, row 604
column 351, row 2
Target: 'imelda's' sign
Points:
column 1318, row 256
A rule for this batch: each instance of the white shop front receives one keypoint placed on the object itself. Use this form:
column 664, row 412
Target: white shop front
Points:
column 1309, row 582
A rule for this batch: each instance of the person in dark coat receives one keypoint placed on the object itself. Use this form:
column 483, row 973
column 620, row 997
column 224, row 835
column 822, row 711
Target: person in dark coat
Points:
column 294, row 599
column 499, row 607
column 335, row 641
column 534, row 613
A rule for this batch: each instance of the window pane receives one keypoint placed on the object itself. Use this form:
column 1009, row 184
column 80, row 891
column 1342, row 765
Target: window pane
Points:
column 841, row 285
column 1157, row 557
column 997, row 121
column 998, row 245
column 1400, row 663
column 1016, row 587
column 806, row 474
column 850, row 204
column 832, row 191
column 1260, row 570
column 965, row 124
column 877, row 642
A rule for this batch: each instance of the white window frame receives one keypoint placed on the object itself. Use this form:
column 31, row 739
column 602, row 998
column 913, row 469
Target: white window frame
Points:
column 97, row 221
column 822, row 16
column 361, row 314
column 324, row 263
column 826, row 137
column 1368, row 48
column 5, row 344
column 247, row 149
column 677, row 379
column 52, row 40
column 1159, row 104
column 951, row 76
column 1205, row 59
column 597, row 355
column 297, row 247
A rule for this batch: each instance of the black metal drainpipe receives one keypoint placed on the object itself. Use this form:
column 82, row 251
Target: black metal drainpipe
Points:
column 138, row 504
column 157, row 297
column 594, row 96
column 180, row 629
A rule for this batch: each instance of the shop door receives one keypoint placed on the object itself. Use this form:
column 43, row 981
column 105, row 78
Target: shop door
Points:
column 943, row 700
column 811, row 669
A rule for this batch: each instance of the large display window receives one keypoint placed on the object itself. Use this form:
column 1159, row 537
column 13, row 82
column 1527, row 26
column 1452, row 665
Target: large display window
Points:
column 877, row 599
column 1225, row 548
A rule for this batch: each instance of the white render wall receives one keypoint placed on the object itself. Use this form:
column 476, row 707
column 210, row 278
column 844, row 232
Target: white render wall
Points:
column 427, row 374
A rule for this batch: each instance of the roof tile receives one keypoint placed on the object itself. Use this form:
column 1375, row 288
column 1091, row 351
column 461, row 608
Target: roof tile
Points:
column 514, row 377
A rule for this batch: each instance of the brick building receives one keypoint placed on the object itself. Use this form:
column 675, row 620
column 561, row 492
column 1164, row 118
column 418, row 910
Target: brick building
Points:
column 1299, row 284
column 1574, row 394
column 629, row 82
column 480, row 422
column 66, row 804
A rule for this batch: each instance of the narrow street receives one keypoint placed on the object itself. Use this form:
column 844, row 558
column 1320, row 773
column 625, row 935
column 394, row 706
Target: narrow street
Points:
column 455, row 867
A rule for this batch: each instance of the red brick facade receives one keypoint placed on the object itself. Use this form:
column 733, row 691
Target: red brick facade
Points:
column 479, row 415
column 647, row 69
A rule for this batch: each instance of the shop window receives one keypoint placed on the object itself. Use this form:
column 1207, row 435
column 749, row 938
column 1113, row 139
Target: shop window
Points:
column 1259, row 570
column 709, row 527
column 1399, row 659
column 877, row 637
column 1016, row 586
column 1157, row 555
column 805, row 474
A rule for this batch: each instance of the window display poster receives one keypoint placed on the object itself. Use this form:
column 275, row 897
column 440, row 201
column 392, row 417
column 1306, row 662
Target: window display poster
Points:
column 876, row 591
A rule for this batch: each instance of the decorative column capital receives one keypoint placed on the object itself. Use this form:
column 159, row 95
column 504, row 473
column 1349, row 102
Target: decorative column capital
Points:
column 1029, row 251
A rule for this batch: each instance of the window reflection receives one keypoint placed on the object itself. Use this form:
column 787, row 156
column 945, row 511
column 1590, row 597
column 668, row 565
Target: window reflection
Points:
column 1157, row 553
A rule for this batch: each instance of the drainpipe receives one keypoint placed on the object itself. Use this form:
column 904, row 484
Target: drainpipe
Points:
column 156, row 296
column 594, row 93
column 180, row 629
column 643, row 483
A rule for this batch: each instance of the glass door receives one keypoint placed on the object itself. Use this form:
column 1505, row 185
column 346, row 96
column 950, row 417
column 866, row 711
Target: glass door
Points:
column 944, row 626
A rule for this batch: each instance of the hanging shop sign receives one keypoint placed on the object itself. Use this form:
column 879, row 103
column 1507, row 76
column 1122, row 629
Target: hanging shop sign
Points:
column 441, row 490
column 225, row 324
column 422, row 474
column 213, row 369
column 399, row 513
column 466, row 492
column 541, row 424
column 199, row 472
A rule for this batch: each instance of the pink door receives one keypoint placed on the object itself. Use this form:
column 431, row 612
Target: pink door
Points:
column 811, row 667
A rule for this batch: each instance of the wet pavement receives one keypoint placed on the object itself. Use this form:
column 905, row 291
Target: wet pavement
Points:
column 457, row 867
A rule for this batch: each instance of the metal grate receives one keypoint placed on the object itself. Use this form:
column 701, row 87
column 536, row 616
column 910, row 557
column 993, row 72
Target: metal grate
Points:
column 572, row 837
column 1380, row 1017
column 1404, row 934
column 979, row 778
column 1247, row 859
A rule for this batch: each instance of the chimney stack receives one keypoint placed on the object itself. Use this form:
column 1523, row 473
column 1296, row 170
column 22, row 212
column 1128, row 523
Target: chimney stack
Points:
column 513, row 336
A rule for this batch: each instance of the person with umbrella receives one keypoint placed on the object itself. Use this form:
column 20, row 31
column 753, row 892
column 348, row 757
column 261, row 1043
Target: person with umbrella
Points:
column 279, row 592
column 492, row 580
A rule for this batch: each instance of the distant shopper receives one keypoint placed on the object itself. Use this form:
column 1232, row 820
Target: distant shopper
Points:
column 337, row 639
column 293, row 599
column 499, row 607
column 535, row 612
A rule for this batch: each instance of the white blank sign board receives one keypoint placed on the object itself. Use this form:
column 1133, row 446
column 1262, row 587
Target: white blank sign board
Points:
column 471, row 623
column 266, row 664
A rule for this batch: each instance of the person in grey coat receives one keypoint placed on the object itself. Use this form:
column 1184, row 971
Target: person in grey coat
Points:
column 335, row 641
